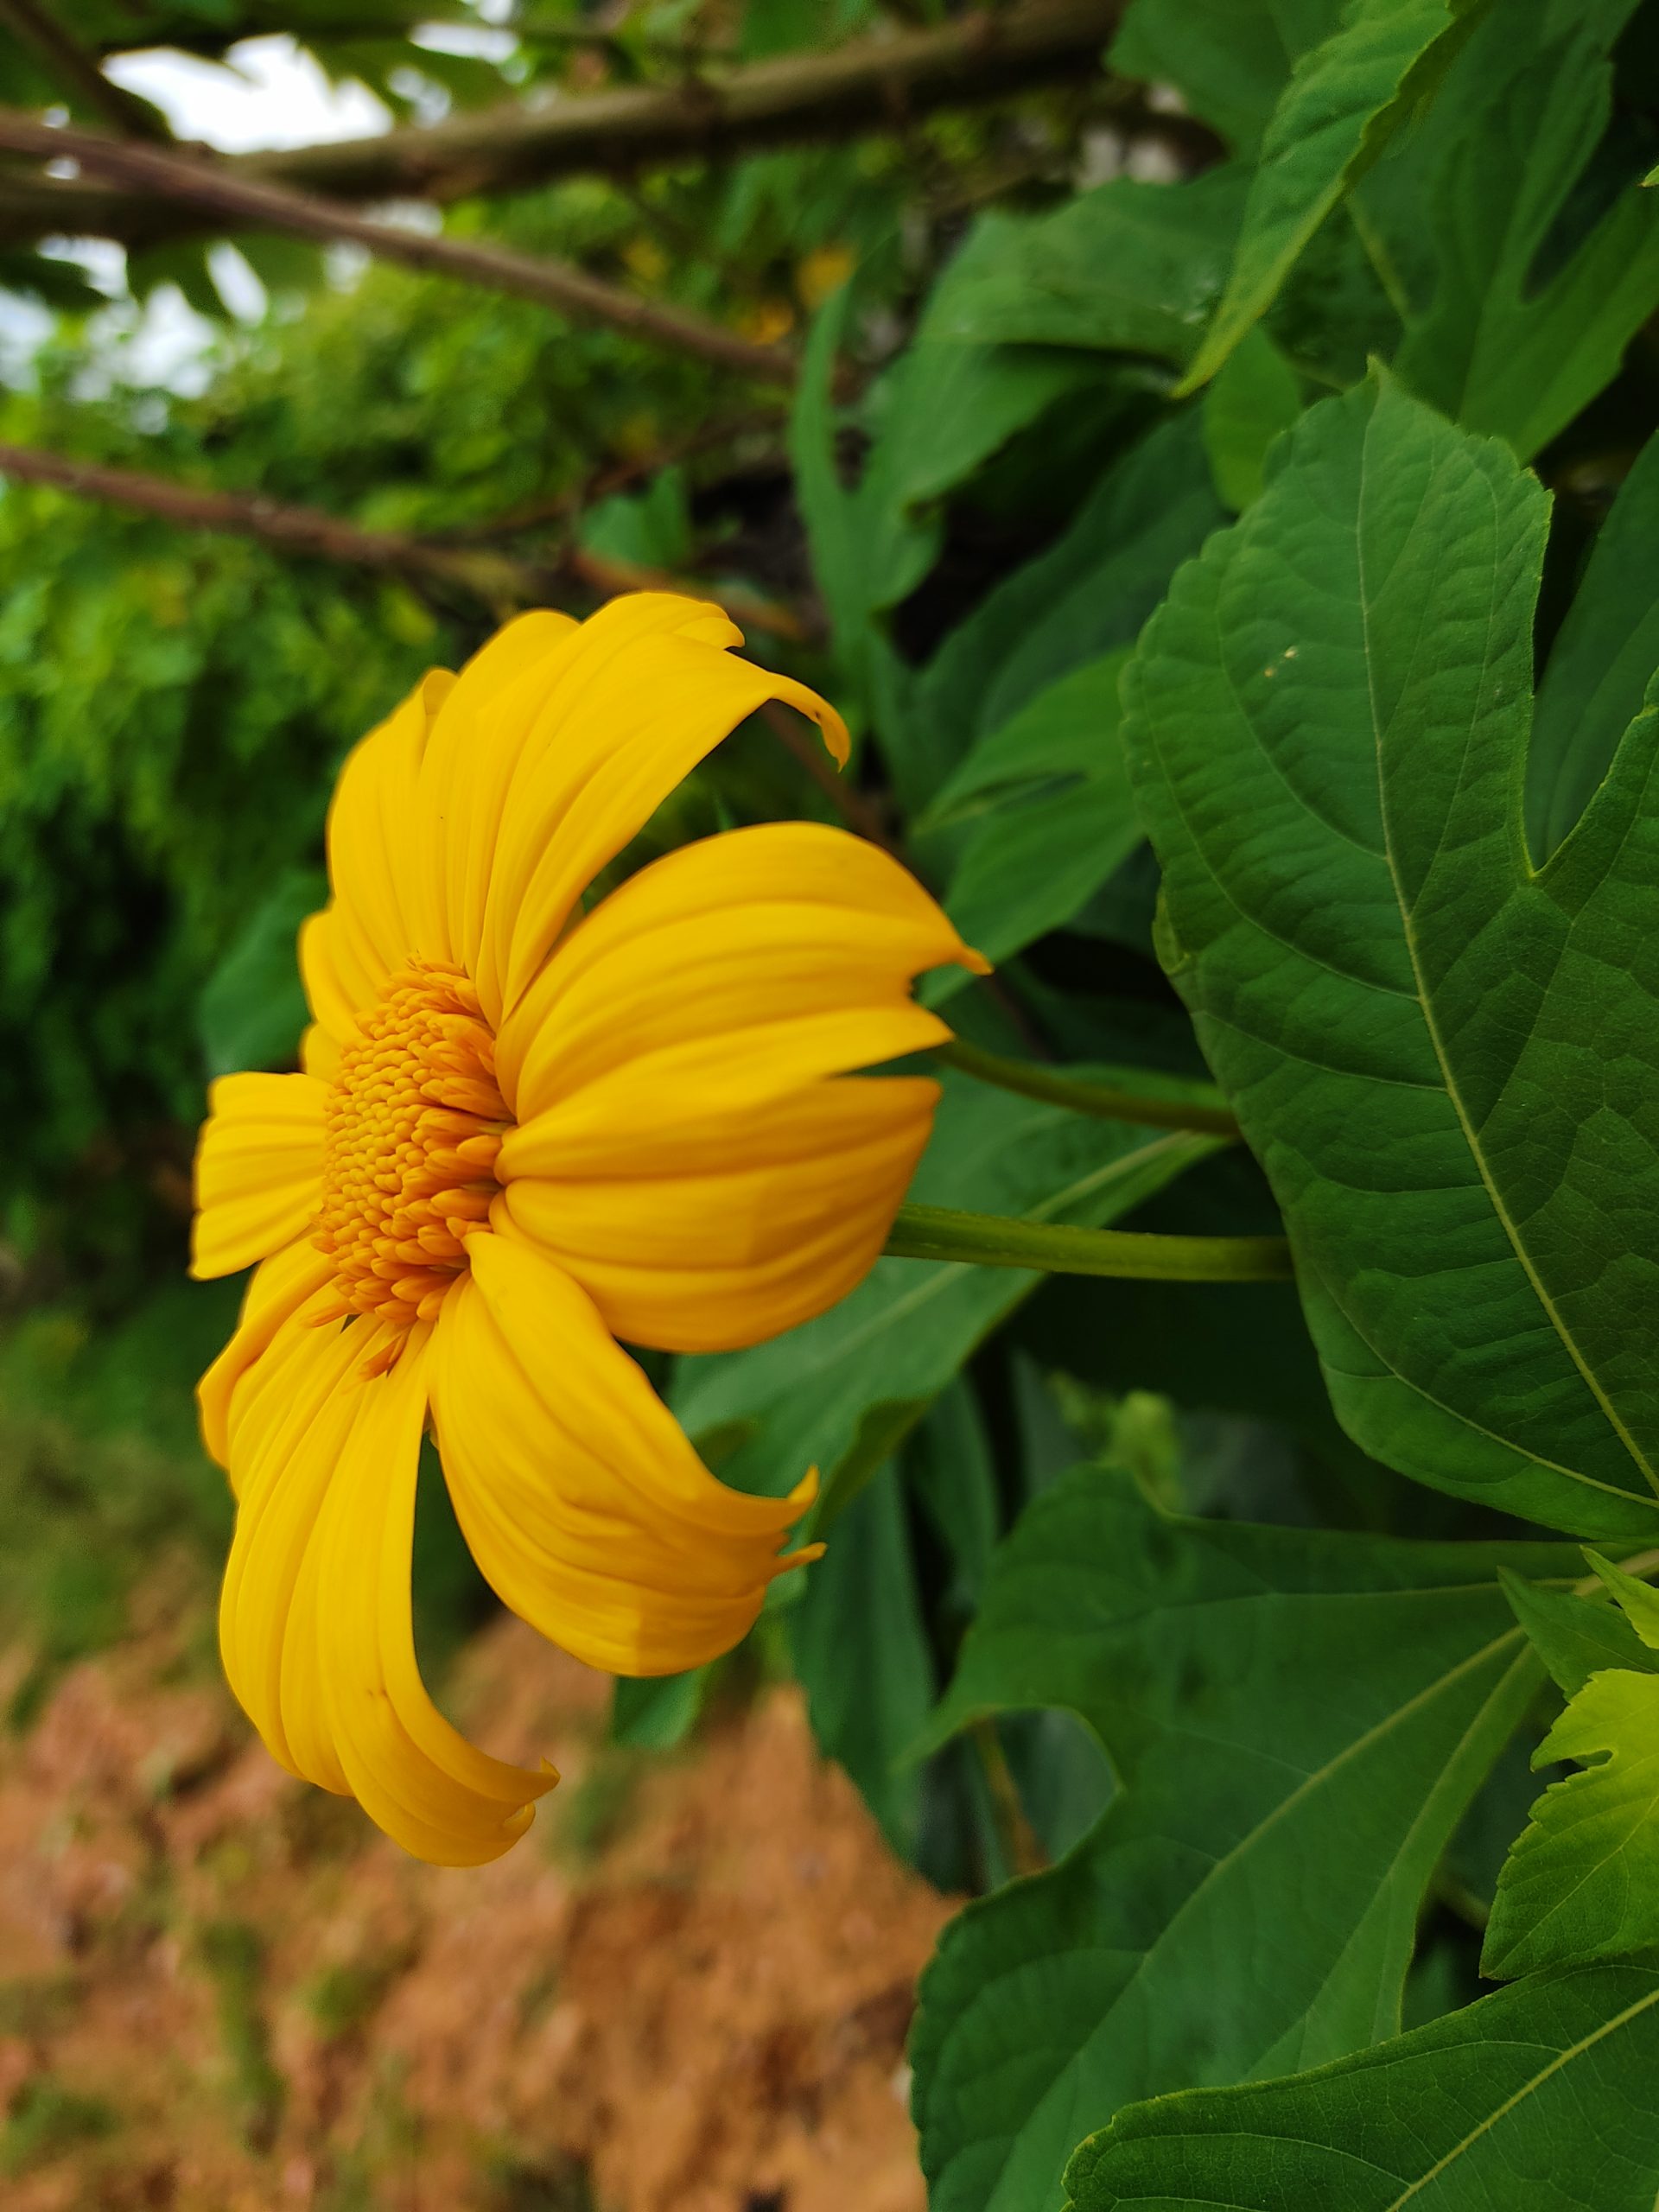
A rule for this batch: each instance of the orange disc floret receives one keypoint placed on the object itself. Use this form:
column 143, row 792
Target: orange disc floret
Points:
column 411, row 1131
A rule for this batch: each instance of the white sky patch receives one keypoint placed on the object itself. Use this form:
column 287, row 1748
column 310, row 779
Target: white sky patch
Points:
column 269, row 93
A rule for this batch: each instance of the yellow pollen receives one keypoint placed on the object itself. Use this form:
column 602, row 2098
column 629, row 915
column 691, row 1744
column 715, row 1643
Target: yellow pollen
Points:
column 412, row 1128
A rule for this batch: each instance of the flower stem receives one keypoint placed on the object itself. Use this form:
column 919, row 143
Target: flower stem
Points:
column 990, row 1240
column 1104, row 1103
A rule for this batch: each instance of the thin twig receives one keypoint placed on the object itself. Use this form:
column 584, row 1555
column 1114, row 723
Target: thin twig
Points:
column 495, row 579
column 241, row 202
column 871, row 84
column 77, row 71
column 856, row 809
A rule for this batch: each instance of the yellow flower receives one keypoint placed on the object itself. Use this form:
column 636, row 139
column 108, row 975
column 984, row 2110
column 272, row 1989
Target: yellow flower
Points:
column 522, row 1133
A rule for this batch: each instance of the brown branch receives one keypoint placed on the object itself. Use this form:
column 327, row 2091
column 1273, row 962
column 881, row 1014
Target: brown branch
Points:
column 872, row 83
column 76, row 71
column 856, row 809
column 497, row 581
column 212, row 186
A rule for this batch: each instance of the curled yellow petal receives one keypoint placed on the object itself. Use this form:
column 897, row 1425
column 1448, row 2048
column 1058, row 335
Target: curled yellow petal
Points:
column 634, row 699
column 315, row 1625
column 583, row 1502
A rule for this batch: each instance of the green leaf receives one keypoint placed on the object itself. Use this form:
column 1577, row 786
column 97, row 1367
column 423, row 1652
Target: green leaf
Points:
column 1583, row 1881
column 1129, row 267
column 1518, row 311
column 1598, row 667
column 1575, row 1636
column 1230, row 59
column 1446, row 1063
column 1088, row 593
column 1345, row 99
column 1540, row 2099
column 1035, row 858
column 1298, row 1720
column 861, row 1651
column 1069, row 729
column 253, row 1004
column 941, row 410
column 656, row 1713
column 1255, row 395
column 1636, row 1601
column 842, row 1391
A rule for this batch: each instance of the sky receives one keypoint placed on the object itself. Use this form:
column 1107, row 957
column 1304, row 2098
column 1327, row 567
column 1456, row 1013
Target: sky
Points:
column 271, row 94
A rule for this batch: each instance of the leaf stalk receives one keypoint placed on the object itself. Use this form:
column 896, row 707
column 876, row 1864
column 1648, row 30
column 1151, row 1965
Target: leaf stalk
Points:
column 989, row 1240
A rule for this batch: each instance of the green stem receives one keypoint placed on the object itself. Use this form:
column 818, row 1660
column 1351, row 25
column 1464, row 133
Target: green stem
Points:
column 991, row 1240
column 1094, row 1099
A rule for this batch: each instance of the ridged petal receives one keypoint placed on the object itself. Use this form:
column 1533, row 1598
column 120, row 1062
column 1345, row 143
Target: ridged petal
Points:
column 314, row 1619
column 583, row 1502
column 472, row 750
column 690, row 1147
column 633, row 700
column 372, row 826
column 259, row 1169
column 276, row 1290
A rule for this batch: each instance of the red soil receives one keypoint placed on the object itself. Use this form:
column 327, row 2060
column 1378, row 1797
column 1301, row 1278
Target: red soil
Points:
column 688, row 1987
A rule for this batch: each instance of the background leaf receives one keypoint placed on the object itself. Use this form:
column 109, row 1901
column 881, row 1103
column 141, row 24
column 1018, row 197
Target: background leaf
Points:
column 1543, row 2095
column 1260, row 1691
column 1345, row 97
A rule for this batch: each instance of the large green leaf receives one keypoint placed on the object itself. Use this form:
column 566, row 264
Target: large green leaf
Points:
column 1130, row 267
column 1598, row 668
column 1345, row 99
column 861, row 1650
column 1518, row 306
column 1543, row 2098
column 840, row 1391
column 1298, row 1720
column 1254, row 395
column 1230, row 59
column 1050, row 813
column 1447, row 1062
column 1088, row 593
column 943, row 408
column 253, row 1004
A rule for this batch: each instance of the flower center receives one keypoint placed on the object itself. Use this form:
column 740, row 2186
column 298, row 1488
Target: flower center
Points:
column 413, row 1125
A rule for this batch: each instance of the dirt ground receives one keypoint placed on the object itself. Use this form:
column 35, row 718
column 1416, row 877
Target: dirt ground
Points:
column 688, row 1987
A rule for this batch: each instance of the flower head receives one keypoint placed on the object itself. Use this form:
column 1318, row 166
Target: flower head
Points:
column 525, row 1131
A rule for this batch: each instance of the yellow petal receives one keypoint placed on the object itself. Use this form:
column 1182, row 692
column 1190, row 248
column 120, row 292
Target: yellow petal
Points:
column 315, row 1625
column 690, row 1148
column 584, row 1504
column 372, row 832
column 259, row 1169
column 471, row 749
column 275, row 1292
column 633, row 700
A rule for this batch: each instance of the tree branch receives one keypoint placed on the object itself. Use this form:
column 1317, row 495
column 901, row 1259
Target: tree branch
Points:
column 871, row 84
column 216, row 189
column 77, row 71
column 494, row 579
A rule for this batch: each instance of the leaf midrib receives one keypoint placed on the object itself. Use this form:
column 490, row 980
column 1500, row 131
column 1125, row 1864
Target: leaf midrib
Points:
column 1313, row 1780
column 1437, row 1043
column 1502, row 2112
